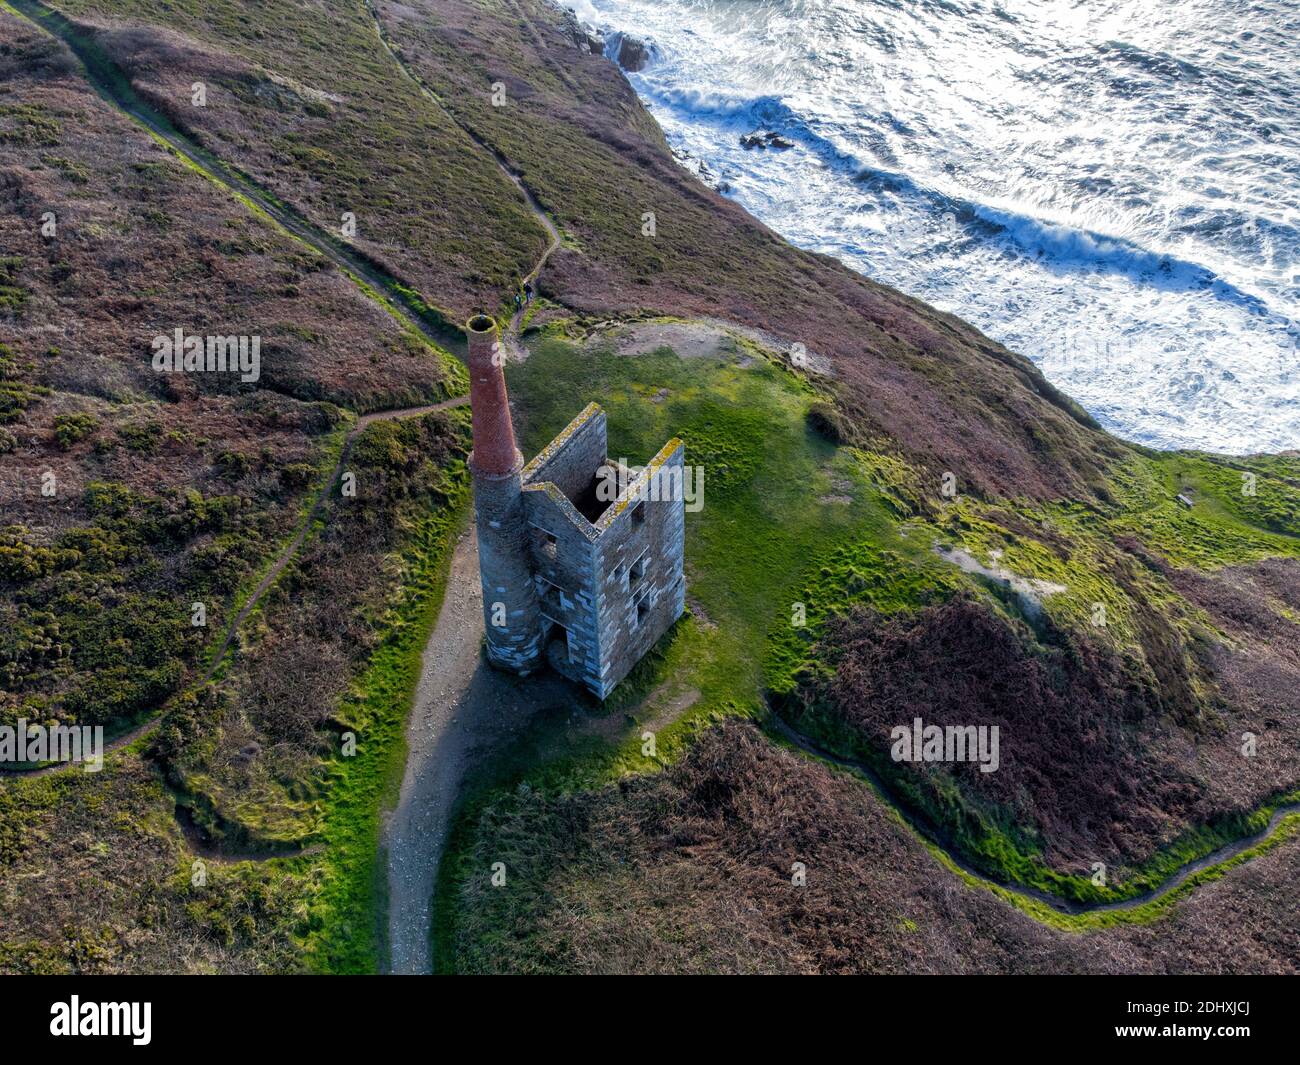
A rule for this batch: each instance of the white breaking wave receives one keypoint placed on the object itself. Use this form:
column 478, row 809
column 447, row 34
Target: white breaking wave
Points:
column 1112, row 190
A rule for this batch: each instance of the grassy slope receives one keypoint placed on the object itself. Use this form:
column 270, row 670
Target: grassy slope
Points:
column 348, row 933
column 690, row 870
column 766, row 540
column 135, row 536
column 170, row 490
column 759, row 527
column 1224, row 529
column 923, row 392
column 319, row 910
column 348, row 135
column 917, row 382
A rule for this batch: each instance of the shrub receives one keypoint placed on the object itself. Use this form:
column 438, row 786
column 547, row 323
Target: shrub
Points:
column 99, row 550
column 74, row 172
column 122, row 693
column 69, row 428
column 108, row 499
column 22, row 561
column 27, row 124
column 233, row 464
column 297, row 475
column 142, row 437
column 12, row 295
column 16, row 395
column 387, row 446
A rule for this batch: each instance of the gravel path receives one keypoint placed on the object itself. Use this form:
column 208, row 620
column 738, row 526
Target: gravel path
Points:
column 464, row 710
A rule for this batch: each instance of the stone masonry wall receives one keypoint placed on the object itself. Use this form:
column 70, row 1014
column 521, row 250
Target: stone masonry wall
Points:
column 634, row 611
column 501, row 524
column 605, row 592
column 562, row 554
column 570, row 460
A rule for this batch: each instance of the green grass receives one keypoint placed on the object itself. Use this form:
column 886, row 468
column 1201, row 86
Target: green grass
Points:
column 765, row 541
column 344, row 883
column 1223, row 527
column 749, row 551
column 1144, row 913
column 765, row 470
column 346, row 931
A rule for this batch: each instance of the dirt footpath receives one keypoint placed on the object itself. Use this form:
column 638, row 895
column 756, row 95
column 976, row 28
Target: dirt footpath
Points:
column 464, row 710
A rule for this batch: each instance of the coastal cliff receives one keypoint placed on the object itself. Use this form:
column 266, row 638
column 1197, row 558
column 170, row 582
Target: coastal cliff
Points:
column 967, row 544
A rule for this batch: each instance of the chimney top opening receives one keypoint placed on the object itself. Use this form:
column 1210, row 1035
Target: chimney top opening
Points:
column 481, row 323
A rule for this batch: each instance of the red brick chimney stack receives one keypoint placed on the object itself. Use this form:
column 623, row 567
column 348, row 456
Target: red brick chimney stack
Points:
column 495, row 453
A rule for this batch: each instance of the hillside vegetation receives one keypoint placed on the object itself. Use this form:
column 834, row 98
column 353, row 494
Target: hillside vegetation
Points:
column 172, row 490
column 1121, row 742
column 910, row 522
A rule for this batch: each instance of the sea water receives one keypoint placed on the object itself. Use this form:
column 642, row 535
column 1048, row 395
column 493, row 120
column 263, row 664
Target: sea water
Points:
column 1111, row 188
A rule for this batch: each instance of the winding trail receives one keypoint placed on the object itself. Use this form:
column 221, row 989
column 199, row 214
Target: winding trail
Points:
column 285, row 556
column 112, row 84
column 463, row 709
column 1228, row 851
column 503, row 164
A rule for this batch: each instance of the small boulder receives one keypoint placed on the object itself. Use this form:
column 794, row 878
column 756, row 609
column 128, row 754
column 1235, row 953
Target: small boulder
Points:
column 765, row 138
column 629, row 52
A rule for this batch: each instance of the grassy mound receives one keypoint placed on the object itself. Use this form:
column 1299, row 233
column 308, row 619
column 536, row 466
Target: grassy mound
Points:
column 814, row 578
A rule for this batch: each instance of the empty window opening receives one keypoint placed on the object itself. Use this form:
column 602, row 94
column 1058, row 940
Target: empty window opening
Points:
column 545, row 543
column 637, row 571
column 551, row 596
column 638, row 513
column 642, row 609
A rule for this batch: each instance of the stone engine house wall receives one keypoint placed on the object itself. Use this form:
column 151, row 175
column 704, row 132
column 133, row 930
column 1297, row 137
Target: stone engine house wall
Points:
column 584, row 582
column 641, row 583
column 606, row 590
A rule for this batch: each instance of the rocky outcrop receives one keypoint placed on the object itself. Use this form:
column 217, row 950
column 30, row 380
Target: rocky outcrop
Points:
column 765, row 138
column 629, row 52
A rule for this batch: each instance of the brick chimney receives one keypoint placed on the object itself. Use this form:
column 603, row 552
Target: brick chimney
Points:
column 495, row 453
column 511, row 614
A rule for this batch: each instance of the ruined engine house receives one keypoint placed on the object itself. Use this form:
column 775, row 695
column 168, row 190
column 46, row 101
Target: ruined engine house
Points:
column 580, row 559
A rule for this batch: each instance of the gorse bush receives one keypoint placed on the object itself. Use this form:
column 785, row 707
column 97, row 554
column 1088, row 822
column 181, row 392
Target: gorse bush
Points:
column 69, row 428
